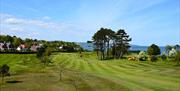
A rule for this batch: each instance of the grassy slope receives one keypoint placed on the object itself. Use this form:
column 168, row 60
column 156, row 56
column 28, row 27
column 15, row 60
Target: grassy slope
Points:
column 115, row 75
column 137, row 76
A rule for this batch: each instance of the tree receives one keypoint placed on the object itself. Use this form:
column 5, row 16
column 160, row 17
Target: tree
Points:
column 168, row 48
column 9, row 39
column 17, row 41
column 121, row 45
column 163, row 56
column 177, row 57
column 177, row 47
column 40, row 52
column 43, row 53
column 104, row 38
column 4, row 71
column 28, row 42
column 62, row 68
column 153, row 50
column 47, row 51
column 100, row 38
column 109, row 37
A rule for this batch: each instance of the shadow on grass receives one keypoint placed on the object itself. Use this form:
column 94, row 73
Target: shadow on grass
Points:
column 14, row 81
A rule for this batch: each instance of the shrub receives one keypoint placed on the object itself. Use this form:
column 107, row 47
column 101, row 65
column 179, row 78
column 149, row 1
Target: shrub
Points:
column 40, row 52
column 132, row 58
column 48, row 51
column 4, row 71
column 172, row 53
column 163, row 56
column 153, row 58
column 45, row 60
column 153, row 50
column 142, row 56
column 177, row 57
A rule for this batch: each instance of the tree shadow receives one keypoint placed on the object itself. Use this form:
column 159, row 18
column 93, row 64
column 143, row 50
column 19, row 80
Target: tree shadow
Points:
column 14, row 81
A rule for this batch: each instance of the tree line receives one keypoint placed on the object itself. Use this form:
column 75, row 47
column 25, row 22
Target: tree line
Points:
column 28, row 42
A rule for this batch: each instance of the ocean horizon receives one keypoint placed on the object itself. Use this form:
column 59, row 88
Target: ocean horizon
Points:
column 89, row 47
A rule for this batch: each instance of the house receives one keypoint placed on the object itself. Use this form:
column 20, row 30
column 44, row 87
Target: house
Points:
column 34, row 47
column 22, row 48
column 67, row 48
column 18, row 48
column 1, row 46
column 6, row 46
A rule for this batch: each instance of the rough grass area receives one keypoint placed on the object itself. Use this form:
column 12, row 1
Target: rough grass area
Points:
column 89, row 74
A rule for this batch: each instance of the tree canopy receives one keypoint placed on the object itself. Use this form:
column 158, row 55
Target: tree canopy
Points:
column 106, row 39
column 153, row 50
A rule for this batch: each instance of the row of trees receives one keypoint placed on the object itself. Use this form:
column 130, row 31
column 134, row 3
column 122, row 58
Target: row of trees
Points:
column 107, row 40
column 170, row 47
column 16, row 41
column 54, row 45
column 154, row 53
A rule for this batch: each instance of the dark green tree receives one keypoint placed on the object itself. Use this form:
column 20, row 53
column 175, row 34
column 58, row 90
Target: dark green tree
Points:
column 43, row 53
column 40, row 52
column 177, row 57
column 121, row 44
column 17, row 41
column 99, row 41
column 104, row 37
column 153, row 50
column 4, row 71
column 9, row 39
column 102, row 40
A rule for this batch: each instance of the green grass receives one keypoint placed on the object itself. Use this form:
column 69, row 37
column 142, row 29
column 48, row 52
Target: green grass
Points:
column 95, row 75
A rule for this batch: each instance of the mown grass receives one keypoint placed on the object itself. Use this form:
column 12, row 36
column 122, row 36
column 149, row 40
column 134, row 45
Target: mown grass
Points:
column 95, row 75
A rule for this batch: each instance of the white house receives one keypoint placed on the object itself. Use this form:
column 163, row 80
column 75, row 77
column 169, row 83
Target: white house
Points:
column 18, row 48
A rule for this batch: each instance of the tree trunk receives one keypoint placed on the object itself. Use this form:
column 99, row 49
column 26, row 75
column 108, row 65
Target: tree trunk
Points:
column 97, row 52
column 60, row 75
column 103, row 54
column 121, row 53
column 108, row 49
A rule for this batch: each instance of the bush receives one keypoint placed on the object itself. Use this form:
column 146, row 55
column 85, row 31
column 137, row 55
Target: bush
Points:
column 132, row 58
column 142, row 56
column 153, row 50
column 177, row 57
column 163, row 56
column 172, row 53
column 153, row 58
column 4, row 70
column 40, row 52
column 48, row 51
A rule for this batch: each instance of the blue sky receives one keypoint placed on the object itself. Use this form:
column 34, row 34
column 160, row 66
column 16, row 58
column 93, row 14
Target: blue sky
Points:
column 146, row 21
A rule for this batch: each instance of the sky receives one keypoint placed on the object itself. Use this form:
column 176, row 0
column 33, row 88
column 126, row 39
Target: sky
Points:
column 146, row 21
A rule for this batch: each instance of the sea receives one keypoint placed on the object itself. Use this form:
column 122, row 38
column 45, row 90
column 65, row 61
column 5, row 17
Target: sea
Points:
column 90, row 47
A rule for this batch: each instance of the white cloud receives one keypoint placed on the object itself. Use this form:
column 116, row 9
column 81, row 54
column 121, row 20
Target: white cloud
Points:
column 10, row 20
column 13, row 21
column 16, row 29
column 32, row 34
column 46, row 18
column 37, row 28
